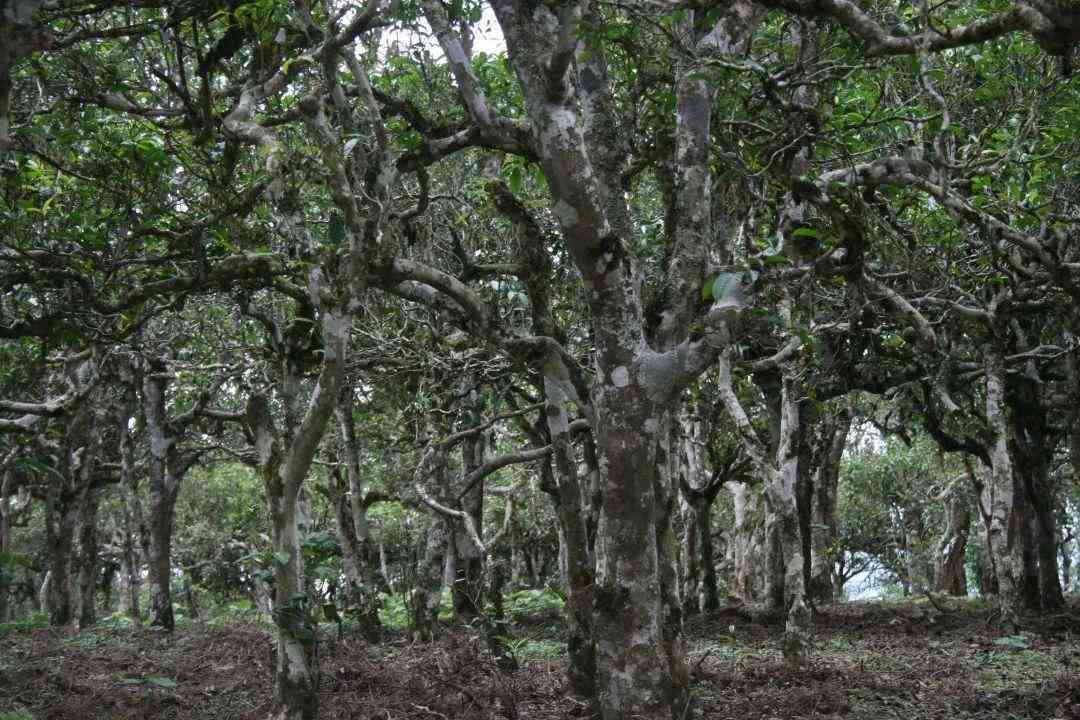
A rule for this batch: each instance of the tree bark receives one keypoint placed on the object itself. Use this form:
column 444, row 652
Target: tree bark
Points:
column 824, row 527
column 61, row 517
column 467, row 590
column 1005, row 534
column 747, row 546
column 949, row 573
column 88, row 559
column 576, row 562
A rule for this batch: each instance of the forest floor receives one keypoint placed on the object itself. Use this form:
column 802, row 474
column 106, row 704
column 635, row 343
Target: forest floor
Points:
column 871, row 660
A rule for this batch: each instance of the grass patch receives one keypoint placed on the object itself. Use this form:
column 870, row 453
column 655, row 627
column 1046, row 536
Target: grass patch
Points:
column 1002, row 669
column 538, row 649
column 34, row 621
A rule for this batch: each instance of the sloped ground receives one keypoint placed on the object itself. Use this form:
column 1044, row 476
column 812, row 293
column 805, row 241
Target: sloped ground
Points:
column 871, row 661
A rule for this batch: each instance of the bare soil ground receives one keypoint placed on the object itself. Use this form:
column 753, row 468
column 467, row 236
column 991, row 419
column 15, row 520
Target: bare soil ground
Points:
column 876, row 661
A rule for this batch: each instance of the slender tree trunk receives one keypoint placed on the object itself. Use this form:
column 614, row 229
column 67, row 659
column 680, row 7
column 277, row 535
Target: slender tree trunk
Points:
column 1031, row 593
column 1006, row 529
column 692, row 557
column 467, row 589
column 949, row 573
column 667, row 492
column 6, row 511
column 88, row 559
column 429, row 583
column 284, row 457
column 162, row 505
column 709, row 584
column 1042, row 491
column 824, row 527
column 296, row 676
column 780, row 492
column 576, row 562
column 358, row 549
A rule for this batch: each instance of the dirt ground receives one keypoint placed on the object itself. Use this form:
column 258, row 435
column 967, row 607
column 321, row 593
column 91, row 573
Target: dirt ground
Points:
column 878, row 661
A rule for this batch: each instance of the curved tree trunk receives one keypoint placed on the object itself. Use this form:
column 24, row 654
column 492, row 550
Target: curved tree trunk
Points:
column 949, row 573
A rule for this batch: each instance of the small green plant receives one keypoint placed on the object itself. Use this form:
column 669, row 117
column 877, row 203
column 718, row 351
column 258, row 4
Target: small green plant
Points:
column 533, row 602
column 16, row 715
column 537, row 649
column 1016, row 642
column 36, row 621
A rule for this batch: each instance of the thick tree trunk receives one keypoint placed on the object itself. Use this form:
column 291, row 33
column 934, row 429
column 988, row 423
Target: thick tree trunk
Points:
column 949, row 573
column 88, row 559
column 61, row 518
column 1006, row 529
column 634, row 668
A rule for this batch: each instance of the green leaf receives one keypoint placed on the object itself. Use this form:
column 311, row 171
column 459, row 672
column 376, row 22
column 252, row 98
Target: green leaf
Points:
column 513, row 178
column 776, row 259
column 335, row 228
column 723, row 283
column 806, row 232
column 281, row 558
column 161, row 682
column 1018, row 642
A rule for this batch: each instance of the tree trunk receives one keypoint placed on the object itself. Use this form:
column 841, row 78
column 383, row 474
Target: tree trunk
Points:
column 296, row 675
column 358, row 550
column 467, row 589
column 949, row 573
column 162, row 506
column 634, row 668
column 429, row 583
column 132, row 582
column 61, row 517
column 576, row 562
column 88, row 559
column 1006, row 529
column 824, row 527
column 1042, row 492
column 1032, row 594
column 780, row 494
column 747, row 545
column 692, row 561
column 283, row 459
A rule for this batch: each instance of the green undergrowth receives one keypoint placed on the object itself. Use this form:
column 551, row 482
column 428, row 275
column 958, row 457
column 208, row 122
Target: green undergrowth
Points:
column 35, row 621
